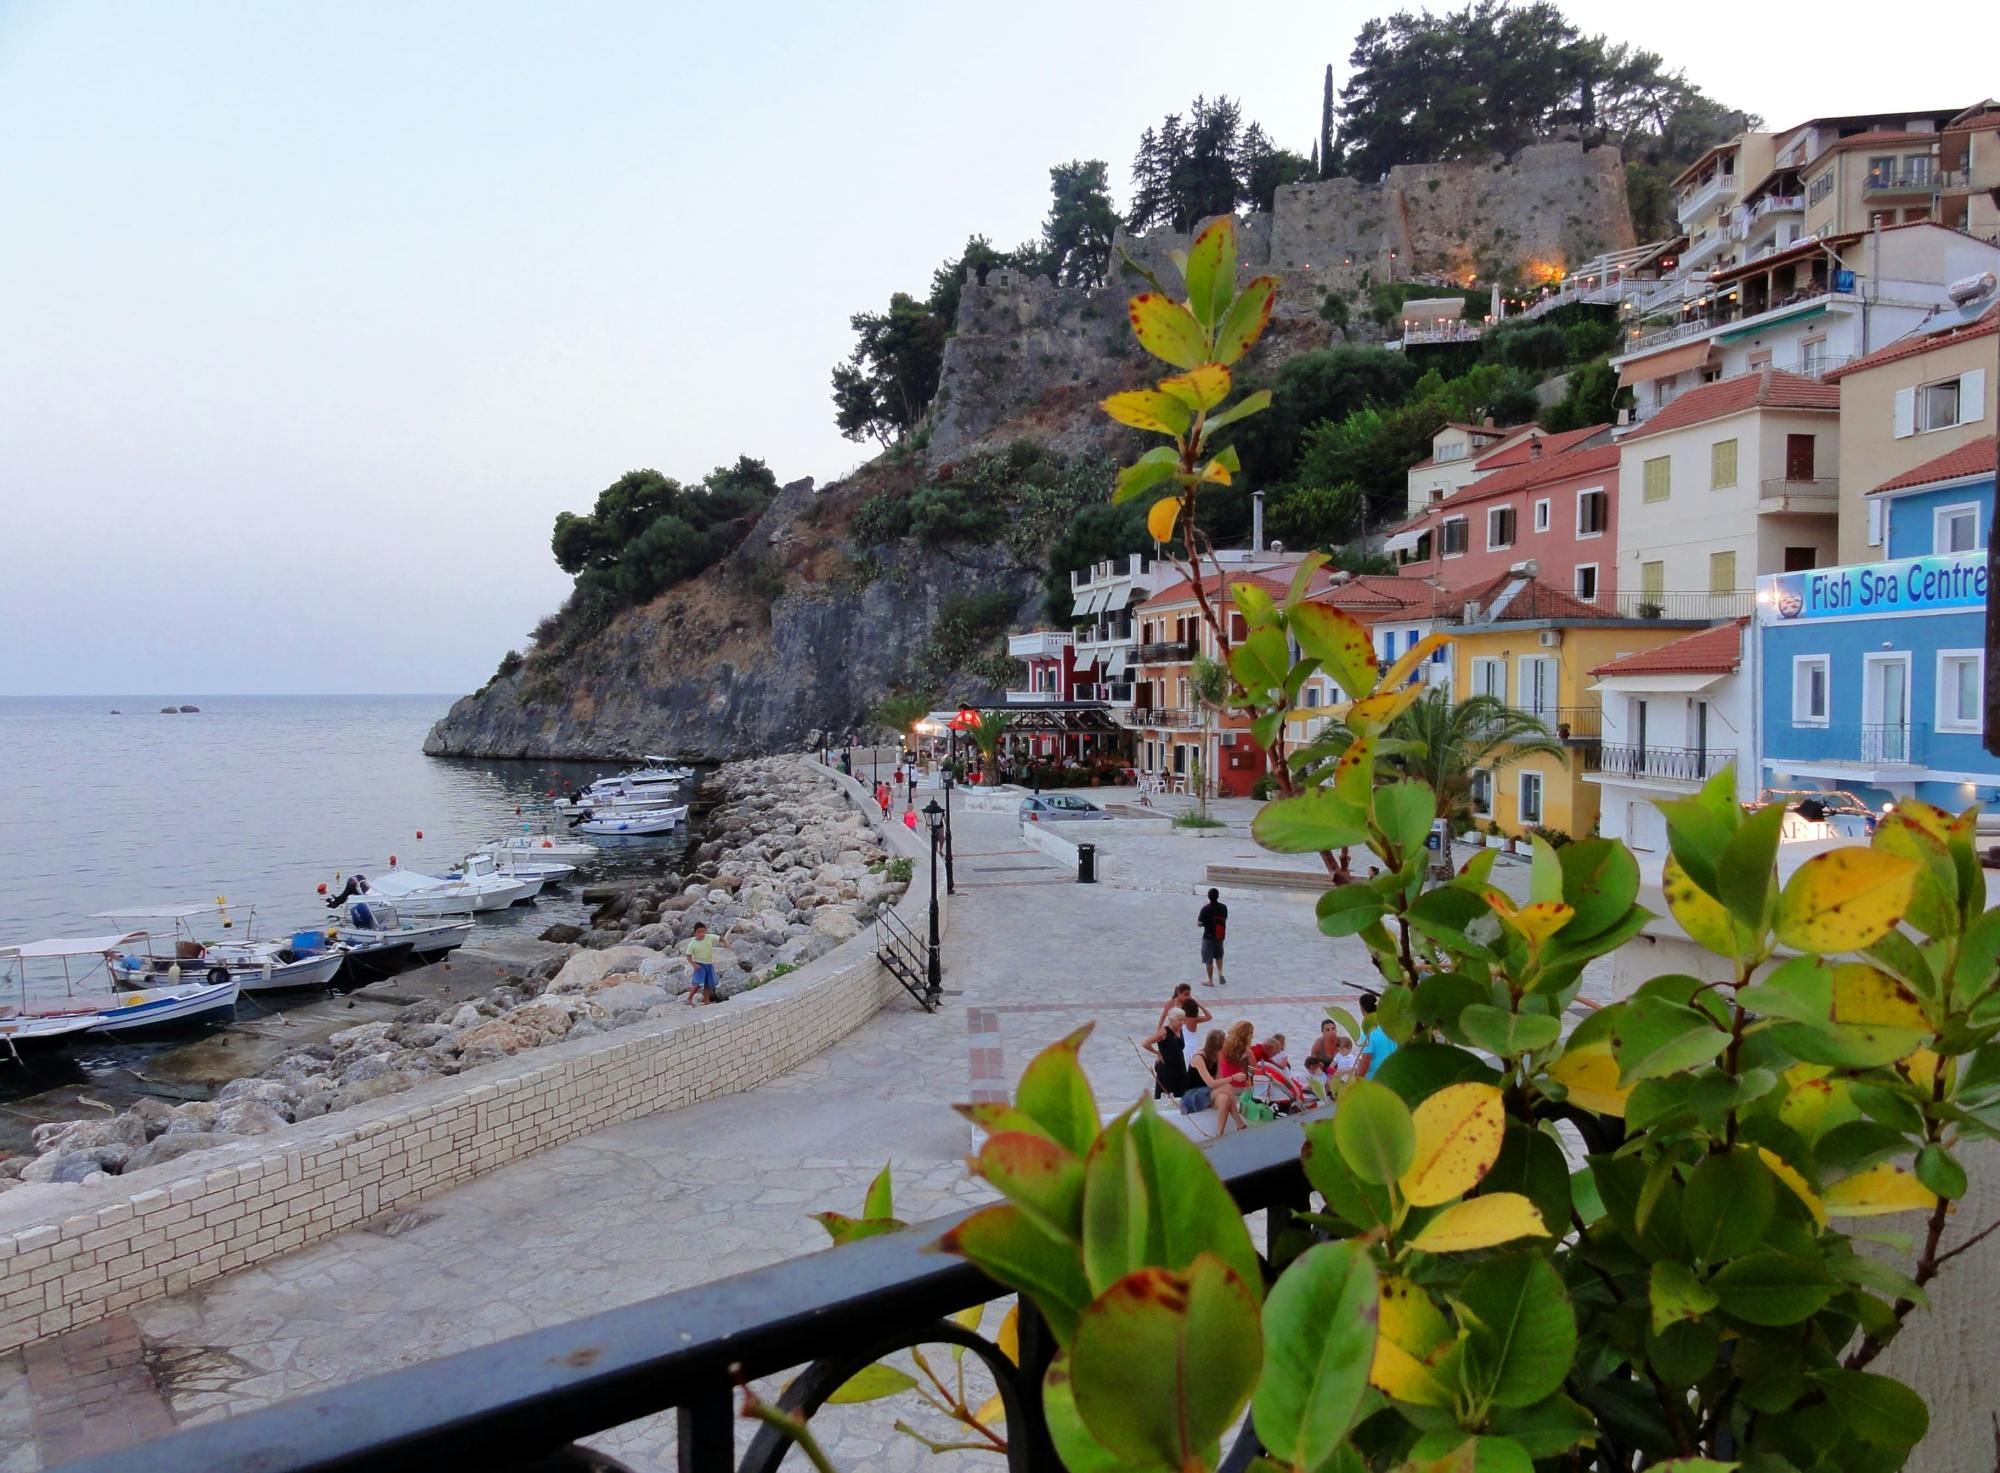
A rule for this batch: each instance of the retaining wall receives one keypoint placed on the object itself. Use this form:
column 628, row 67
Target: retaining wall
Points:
column 70, row 1255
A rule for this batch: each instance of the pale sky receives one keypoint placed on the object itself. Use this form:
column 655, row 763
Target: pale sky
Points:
column 313, row 316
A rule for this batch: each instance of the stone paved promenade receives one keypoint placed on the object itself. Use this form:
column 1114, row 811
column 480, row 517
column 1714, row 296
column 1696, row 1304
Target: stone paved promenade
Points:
column 674, row 1199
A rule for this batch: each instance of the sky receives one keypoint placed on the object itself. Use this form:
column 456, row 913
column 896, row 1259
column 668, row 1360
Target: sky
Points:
column 312, row 317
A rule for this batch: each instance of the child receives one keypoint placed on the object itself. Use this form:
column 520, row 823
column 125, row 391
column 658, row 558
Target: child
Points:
column 1317, row 1083
column 699, row 949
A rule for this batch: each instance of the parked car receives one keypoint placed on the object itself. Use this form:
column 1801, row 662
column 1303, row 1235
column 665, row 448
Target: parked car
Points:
column 1047, row 806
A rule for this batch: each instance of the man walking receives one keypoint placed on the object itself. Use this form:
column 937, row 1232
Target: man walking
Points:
column 699, row 949
column 1214, row 922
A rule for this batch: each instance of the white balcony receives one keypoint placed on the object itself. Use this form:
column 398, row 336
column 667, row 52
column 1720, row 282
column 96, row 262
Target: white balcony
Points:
column 1785, row 495
column 1703, row 194
column 1032, row 697
column 1038, row 644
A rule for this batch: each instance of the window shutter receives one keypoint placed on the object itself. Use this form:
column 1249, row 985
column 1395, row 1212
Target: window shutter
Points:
column 1972, row 396
column 1874, row 523
column 1906, row 413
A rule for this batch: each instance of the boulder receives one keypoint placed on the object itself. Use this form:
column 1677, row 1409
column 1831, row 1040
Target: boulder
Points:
column 587, row 967
column 655, row 936
column 310, row 1106
column 563, row 931
column 367, row 1066
column 468, row 1016
column 496, row 1040
column 350, row 1095
column 74, row 1166
column 248, row 1117
column 264, row 1091
column 356, row 1037
column 192, row 1118
column 155, row 1115
column 835, row 923
column 629, row 996
column 173, row 1146
column 545, row 1018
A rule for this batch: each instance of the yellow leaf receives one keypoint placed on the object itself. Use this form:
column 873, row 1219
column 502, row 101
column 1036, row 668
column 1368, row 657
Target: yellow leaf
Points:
column 1411, row 1337
column 1354, row 773
column 1009, row 1339
column 1590, row 1075
column 990, row 1411
column 1459, row 1130
column 1244, row 322
column 1169, row 331
column 1481, row 1222
column 1864, row 994
column 1844, row 899
column 1542, row 920
column 1921, row 1069
column 1706, row 920
column 1160, row 520
column 1377, row 711
column 968, row 1319
column 1783, row 1171
column 1148, row 409
column 1812, row 1107
column 1416, row 654
column 1878, row 1191
column 1199, row 388
column 1216, row 473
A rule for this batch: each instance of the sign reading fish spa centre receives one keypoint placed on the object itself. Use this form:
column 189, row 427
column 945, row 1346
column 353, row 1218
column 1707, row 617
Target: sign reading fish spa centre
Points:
column 1911, row 586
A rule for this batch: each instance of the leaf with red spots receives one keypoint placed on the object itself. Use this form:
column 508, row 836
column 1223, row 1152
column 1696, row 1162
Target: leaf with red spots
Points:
column 1168, row 330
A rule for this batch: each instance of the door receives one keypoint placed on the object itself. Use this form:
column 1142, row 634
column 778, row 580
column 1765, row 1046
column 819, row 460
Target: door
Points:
column 1798, row 457
column 1885, row 709
column 1801, row 559
column 1538, row 686
column 1700, row 772
column 1644, row 827
column 1639, row 734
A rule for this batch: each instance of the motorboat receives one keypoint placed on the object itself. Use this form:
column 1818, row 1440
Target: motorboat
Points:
column 378, row 921
column 517, row 865
column 638, row 787
column 480, row 888
column 306, row 959
column 631, row 825
column 541, row 847
column 45, row 977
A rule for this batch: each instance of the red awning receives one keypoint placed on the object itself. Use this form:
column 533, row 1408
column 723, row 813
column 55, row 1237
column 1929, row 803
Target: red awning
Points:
column 1665, row 364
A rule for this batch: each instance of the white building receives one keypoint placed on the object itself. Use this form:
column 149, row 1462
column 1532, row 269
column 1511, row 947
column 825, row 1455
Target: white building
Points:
column 1106, row 636
column 1706, row 196
column 1674, row 716
column 1732, row 480
column 1454, row 463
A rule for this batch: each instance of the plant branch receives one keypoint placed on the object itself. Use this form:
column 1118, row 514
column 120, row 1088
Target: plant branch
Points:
column 1928, row 1262
column 786, row 1425
column 1971, row 1242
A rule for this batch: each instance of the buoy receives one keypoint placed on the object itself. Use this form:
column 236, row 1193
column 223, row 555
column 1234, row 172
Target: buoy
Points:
column 322, row 887
column 392, row 861
column 547, row 845
column 420, row 833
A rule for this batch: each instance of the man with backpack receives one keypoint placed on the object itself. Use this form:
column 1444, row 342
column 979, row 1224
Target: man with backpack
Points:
column 1214, row 922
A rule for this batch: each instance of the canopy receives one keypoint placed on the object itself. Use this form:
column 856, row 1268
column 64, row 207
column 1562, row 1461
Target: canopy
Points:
column 1668, row 682
column 1116, row 598
column 1663, row 365
column 181, row 911
column 1419, row 310
column 1115, row 666
column 73, row 945
column 1402, row 542
column 1089, row 604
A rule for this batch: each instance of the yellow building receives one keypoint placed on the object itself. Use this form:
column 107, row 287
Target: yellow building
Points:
column 1533, row 647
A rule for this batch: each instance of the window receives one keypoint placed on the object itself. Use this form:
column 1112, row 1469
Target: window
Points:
column 1955, row 528
column 1652, row 581
column 1500, row 527
column 1542, row 517
column 1917, row 168
column 1586, row 581
column 1800, row 559
column 1820, row 188
column 1592, row 512
column 1531, row 797
column 1538, row 686
column 1722, row 572
column 1812, row 357
column 1238, row 630
column 1881, row 170
column 1809, row 690
column 1760, row 359
column 1489, row 677
column 1940, row 405
column 1455, row 538
column 1721, row 465
column 1961, row 690
column 1482, row 791
column 1658, row 473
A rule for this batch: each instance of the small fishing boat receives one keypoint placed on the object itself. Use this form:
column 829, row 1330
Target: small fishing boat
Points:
column 50, row 1009
column 630, row 825
column 378, row 922
column 481, row 888
column 540, row 847
column 305, row 960
column 517, row 866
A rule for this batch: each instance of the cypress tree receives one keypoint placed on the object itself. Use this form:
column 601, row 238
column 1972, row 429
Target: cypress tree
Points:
column 1323, row 154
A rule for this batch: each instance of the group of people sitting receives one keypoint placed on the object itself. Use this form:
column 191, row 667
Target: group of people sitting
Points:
column 1230, row 1065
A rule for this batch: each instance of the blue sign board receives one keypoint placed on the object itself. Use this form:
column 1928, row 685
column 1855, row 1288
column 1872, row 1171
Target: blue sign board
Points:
column 1912, row 585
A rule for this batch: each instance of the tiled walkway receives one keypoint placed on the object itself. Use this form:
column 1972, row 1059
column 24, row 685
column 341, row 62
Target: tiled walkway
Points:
column 680, row 1198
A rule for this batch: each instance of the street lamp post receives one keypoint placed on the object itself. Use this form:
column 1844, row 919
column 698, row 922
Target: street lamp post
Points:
column 950, row 875
column 934, row 976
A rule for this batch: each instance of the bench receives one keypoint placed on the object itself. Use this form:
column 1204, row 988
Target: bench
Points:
column 1243, row 875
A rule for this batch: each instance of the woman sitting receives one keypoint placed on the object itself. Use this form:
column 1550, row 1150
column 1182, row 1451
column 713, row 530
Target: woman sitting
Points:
column 1213, row 1082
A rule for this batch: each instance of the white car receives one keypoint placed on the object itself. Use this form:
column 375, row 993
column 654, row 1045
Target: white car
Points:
column 1048, row 806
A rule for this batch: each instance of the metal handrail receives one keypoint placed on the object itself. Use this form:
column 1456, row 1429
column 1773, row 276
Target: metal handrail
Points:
column 1678, row 764
column 531, row 1397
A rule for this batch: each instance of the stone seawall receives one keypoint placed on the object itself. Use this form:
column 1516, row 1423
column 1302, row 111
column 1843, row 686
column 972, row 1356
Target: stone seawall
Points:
column 71, row 1255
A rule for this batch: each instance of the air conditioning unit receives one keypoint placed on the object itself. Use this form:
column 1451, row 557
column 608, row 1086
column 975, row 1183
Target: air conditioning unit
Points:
column 1551, row 639
column 1229, row 738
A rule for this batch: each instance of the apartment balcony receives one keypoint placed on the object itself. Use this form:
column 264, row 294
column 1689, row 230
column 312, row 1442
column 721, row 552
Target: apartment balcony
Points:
column 1165, row 652
column 1773, row 204
column 1033, row 697
column 1570, row 725
column 1113, row 693
column 1453, row 332
column 1095, row 637
column 1702, row 193
column 1921, row 181
column 1110, row 570
column 1858, row 751
column 1783, row 495
column 1663, row 764
column 1171, row 720
column 1694, row 327
column 1038, row 644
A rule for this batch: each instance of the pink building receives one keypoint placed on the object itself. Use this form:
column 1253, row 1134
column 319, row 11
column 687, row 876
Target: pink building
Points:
column 1552, row 499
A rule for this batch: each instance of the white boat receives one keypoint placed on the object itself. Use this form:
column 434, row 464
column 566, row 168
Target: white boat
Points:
column 50, row 1007
column 639, row 787
column 517, row 866
column 360, row 920
column 482, row 888
column 631, row 825
column 307, row 959
column 540, row 847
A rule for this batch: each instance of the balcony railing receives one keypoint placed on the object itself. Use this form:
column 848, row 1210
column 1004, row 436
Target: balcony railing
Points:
column 1674, row 764
column 1114, row 693
column 1164, row 651
column 1774, row 204
column 1784, row 494
column 1905, row 182
column 1179, row 720
column 1119, row 632
column 1859, row 744
column 1693, row 327
column 1572, row 724
column 1455, row 332
column 1033, row 697
column 1538, row 602
column 1888, row 742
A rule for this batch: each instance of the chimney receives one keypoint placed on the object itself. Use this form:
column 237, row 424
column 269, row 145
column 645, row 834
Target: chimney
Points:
column 1257, row 521
column 1535, row 448
column 1487, row 422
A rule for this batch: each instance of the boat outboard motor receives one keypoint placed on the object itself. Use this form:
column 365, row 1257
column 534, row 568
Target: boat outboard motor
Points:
column 356, row 885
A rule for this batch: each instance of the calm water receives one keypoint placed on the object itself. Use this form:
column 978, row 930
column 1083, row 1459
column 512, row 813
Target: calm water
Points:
column 257, row 798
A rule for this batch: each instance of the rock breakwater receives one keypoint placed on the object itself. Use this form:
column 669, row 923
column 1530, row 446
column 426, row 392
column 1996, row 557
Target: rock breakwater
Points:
column 788, row 872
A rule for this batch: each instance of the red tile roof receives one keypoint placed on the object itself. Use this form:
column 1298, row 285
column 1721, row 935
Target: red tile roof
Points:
column 1529, row 473
column 1868, row 140
column 1768, row 388
column 1975, row 457
column 1484, row 431
column 1519, row 452
column 1909, row 347
column 1716, row 651
column 1534, row 599
column 1182, row 591
column 1372, row 596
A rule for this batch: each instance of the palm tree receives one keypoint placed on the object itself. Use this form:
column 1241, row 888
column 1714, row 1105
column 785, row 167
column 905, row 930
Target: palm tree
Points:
column 986, row 733
column 1208, row 689
column 898, row 712
column 1450, row 740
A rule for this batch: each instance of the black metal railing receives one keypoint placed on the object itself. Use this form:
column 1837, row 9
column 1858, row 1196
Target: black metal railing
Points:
column 1677, row 764
column 1565, row 723
column 525, row 1402
column 1889, row 741
column 904, row 957
column 1179, row 720
column 1166, row 649
column 1903, row 182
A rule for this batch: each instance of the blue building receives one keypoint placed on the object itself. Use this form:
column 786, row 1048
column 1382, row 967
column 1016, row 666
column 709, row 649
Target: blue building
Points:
column 1871, row 677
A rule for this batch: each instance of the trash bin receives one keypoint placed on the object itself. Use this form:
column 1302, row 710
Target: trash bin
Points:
column 1086, row 864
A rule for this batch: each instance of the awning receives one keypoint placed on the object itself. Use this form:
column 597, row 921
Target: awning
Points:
column 72, row 945
column 1662, row 365
column 1115, row 666
column 1792, row 321
column 1089, row 603
column 1116, row 598
column 1402, row 542
column 1665, row 683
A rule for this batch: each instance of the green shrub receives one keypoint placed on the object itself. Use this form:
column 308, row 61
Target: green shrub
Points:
column 1194, row 820
column 899, row 870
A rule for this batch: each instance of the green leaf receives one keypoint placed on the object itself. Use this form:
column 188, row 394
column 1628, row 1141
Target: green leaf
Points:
column 1706, row 920
column 1934, row 900
column 1443, row 996
column 1007, row 1244
column 1404, row 811
column 1684, row 1351
column 1243, row 408
column 1675, row 1293
column 1261, row 661
column 1532, row 1164
column 1319, row 1342
column 1244, row 322
column 1748, row 868
column 1374, row 1131
column 1939, row 1170
column 1211, row 270
column 1772, row 1288
column 1038, row 1176
column 1308, row 822
column 1879, row 1410
column 1416, row 1071
column 1348, row 909
column 1728, row 1203
column 844, row 1229
column 1507, row 1034
column 1698, row 835
column 1340, row 644
column 1163, row 1363
column 1545, row 873
column 1362, row 1205
column 1302, row 575
column 881, row 1198
column 1656, row 1037
column 1150, row 1197
column 1522, row 1337
column 1155, row 466
column 872, row 1383
column 1454, row 1452
column 1169, row 331
column 1080, row 1452
column 1055, row 1094
column 1257, row 607
column 1547, row 1428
